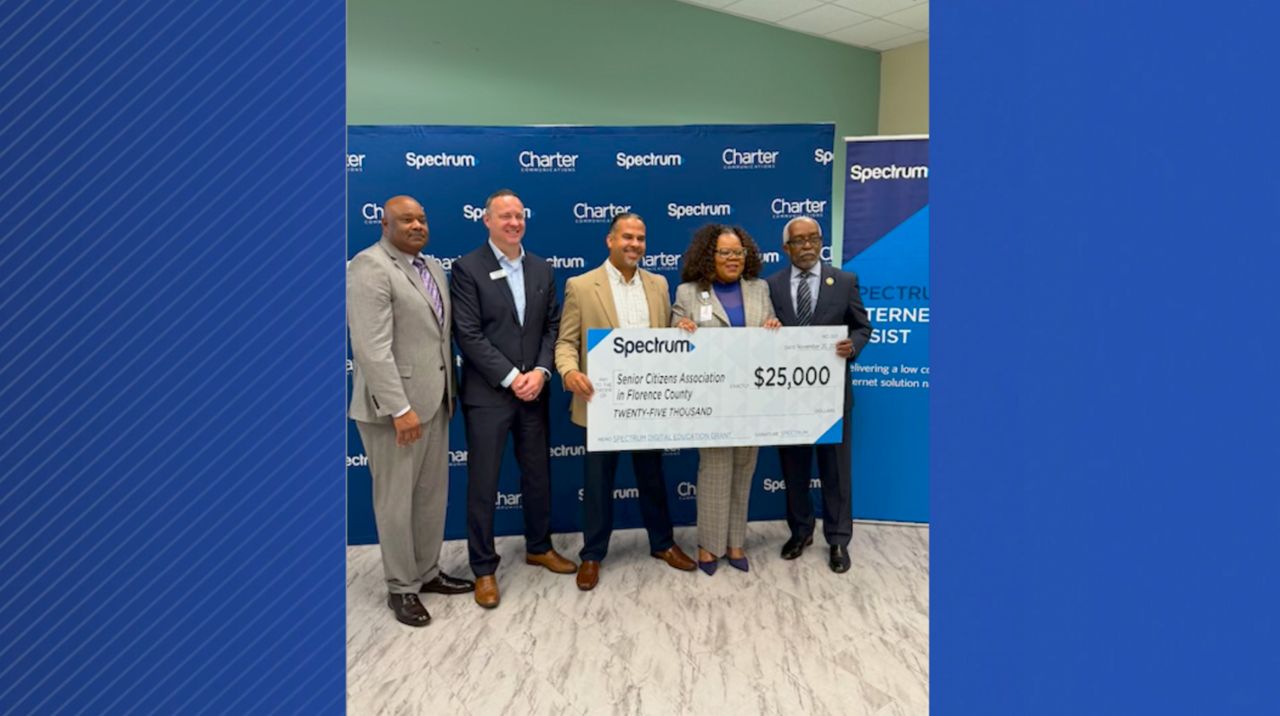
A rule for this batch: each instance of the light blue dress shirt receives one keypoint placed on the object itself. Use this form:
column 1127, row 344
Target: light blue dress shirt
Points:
column 515, row 276
column 515, row 281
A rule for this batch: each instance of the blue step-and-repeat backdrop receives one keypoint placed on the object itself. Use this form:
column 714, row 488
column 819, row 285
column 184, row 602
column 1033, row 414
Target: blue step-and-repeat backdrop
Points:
column 572, row 181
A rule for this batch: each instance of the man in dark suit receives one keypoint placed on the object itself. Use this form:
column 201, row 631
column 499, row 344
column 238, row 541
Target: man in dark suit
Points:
column 505, row 319
column 810, row 294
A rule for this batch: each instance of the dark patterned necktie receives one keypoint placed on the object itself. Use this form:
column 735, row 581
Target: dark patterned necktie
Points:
column 432, row 290
column 804, row 300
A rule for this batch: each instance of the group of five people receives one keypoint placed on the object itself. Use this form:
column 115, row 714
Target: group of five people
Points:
column 502, row 309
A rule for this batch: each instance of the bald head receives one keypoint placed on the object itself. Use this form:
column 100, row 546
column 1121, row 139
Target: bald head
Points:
column 404, row 224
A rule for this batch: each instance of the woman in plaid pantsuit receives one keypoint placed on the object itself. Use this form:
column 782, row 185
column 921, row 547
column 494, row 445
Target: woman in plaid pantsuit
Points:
column 722, row 288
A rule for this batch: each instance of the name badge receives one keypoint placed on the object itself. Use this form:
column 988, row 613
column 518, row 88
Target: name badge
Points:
column 495, row 275
column 704, row 313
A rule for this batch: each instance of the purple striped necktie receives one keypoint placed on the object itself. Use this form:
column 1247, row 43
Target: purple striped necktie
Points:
column 432, row 290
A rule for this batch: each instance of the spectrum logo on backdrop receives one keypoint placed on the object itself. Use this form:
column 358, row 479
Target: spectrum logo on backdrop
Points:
column 441, row 160
column 862, row 174
column 632, row 161
column 680, row 211
column 476, row 213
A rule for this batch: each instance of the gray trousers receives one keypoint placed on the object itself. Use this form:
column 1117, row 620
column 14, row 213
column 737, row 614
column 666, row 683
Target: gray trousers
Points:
column 410, row 493
column 724, row 487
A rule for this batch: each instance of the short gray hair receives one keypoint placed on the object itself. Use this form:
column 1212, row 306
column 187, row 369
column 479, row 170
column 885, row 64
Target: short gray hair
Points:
column 786, row 230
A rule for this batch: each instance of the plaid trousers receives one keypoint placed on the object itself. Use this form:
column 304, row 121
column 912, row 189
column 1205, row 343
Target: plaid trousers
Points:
column 724, row 487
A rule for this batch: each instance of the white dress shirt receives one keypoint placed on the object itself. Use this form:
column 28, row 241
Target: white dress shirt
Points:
column 628, row 298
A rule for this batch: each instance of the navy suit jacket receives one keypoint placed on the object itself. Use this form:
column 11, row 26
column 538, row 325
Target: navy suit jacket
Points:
column 838, row 304
column 487, row 328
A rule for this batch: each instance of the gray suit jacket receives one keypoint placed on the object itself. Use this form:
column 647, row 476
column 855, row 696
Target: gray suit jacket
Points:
column 756, row 305
column 402, row 353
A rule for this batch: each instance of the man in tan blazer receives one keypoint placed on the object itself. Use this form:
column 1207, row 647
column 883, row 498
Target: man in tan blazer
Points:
column 402, row 393
column 618, row 294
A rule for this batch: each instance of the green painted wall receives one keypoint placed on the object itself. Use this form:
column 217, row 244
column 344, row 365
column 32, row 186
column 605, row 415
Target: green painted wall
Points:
column 599, row 62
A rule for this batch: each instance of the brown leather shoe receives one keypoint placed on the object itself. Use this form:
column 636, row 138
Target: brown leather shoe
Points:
column 487, row 591
column 551, row 561
column 588, row 575
column 676, row 558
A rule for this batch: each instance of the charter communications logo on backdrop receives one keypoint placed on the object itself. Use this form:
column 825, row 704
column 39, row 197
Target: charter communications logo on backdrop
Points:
column 431, row 161
column 372, row 213
column 446, row 262
column 680, row 211
column 632, row 161
column 788, row 208
column 749, row 158
column 531, row 161
column 507, row 500
column 862, row 174
column 584, row 213
column 660, row 260
column 355, row 163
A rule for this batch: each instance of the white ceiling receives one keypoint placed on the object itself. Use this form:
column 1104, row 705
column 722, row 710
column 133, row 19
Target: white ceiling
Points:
column 871, row 24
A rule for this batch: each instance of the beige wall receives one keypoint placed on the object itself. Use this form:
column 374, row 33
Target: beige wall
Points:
column 904, row 90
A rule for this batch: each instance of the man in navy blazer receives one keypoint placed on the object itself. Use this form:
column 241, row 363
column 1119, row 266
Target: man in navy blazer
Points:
column 808, row 293
column 505, row 319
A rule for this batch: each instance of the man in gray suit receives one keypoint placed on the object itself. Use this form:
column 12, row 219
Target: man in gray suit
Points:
column 398, row 311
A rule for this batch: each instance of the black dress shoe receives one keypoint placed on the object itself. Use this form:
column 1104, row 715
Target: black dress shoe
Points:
column 795, row 547
column 409, row 609
column 444, row 584
column 839, row 558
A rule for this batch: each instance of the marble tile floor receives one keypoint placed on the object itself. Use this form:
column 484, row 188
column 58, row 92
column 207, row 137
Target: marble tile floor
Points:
column 784, row 638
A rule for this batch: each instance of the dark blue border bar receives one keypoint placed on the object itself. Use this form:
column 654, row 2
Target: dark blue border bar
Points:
column 1104, row 451
column 171, row 295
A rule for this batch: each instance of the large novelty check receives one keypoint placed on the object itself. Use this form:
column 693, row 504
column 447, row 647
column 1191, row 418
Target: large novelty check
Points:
column 717, row 387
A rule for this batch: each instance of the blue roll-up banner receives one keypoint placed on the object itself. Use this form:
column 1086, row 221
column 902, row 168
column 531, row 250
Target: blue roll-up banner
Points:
column 572, row 181
column 886, row 242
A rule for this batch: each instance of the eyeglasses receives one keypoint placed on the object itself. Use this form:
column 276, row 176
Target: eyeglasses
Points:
column 802, row 242
column 731, row 253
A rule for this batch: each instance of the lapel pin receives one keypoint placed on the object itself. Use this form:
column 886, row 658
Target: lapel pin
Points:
column 831, row 281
